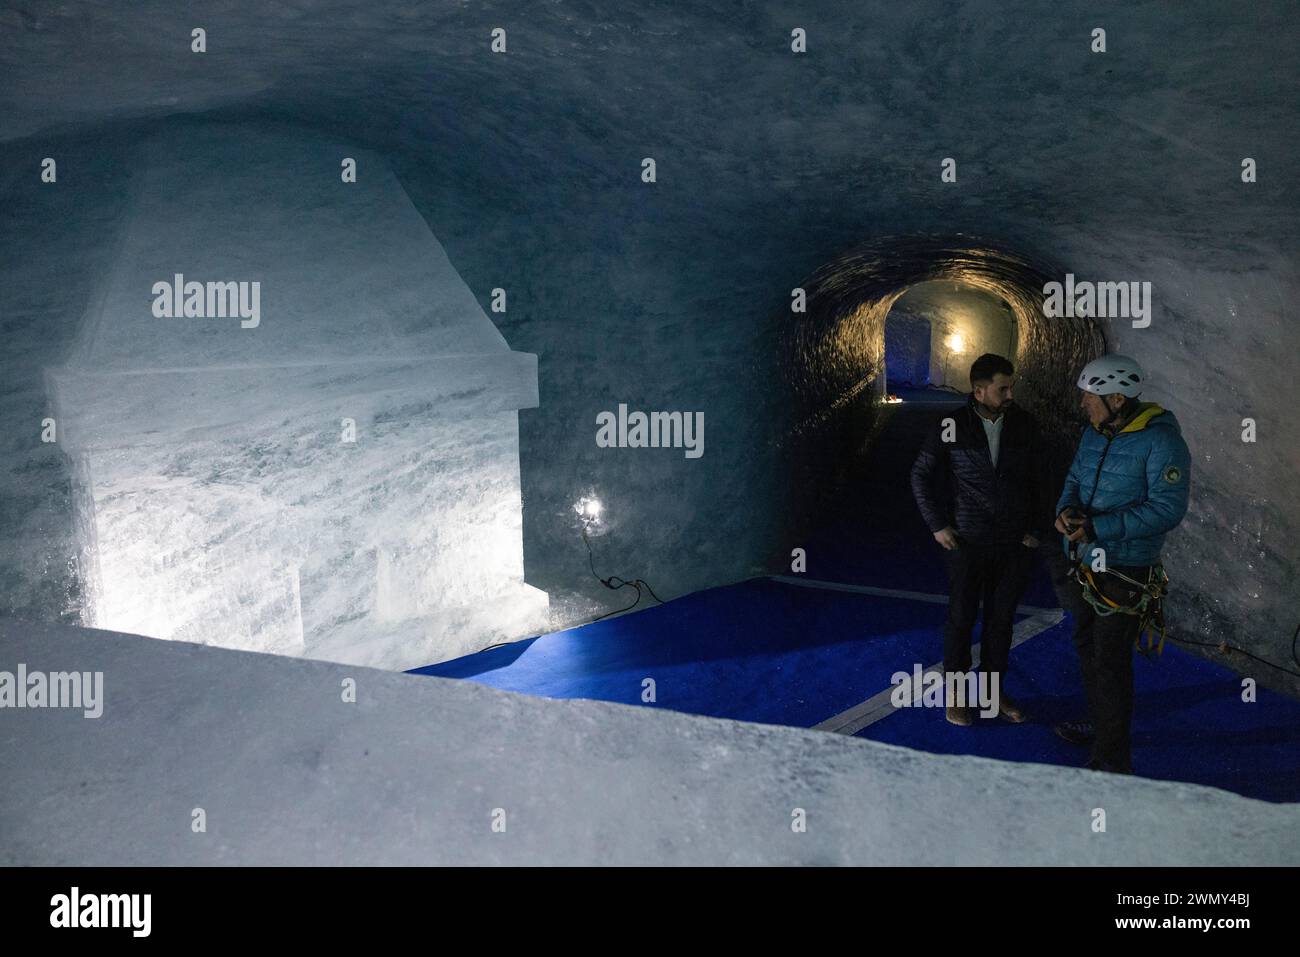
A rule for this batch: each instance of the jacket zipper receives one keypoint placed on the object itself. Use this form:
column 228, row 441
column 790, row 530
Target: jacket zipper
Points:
column 1096, row 479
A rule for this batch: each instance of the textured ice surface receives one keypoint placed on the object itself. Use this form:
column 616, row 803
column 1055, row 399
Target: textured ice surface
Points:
column 288, row 773
column 1123, row 165
column 221, row 497
column 347, row 270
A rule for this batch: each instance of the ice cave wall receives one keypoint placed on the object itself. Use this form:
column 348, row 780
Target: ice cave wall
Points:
column 1122, row 165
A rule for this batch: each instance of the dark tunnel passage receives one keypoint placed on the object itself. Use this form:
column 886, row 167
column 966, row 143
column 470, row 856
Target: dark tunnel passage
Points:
column 849, row 450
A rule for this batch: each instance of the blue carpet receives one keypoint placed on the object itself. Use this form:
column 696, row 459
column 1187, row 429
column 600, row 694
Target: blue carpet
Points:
column 759, row 650
column 766, row 651
column 1189, row 721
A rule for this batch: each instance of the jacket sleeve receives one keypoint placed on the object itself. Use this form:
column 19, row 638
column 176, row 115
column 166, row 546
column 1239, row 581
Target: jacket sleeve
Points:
column 929, row 461
column 1168, row 473
column 1070, row 493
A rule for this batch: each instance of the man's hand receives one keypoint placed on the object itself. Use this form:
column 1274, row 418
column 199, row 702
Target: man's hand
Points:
column 1069, row 521
column 947, row 537
column 1029, row 541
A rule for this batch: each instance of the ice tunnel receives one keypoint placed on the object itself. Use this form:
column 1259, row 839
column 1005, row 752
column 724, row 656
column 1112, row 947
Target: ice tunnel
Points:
column 294, row 428
column 970, row 297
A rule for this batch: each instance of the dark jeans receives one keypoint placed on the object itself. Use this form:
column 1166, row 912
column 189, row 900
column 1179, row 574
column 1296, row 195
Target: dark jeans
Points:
column 996, row 575
column 1105, row 647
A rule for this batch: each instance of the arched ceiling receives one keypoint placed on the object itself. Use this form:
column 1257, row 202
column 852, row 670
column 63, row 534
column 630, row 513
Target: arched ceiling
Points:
column 585, row 90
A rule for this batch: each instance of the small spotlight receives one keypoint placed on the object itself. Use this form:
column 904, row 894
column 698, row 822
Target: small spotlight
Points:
column 955, row 343
column 589, row 509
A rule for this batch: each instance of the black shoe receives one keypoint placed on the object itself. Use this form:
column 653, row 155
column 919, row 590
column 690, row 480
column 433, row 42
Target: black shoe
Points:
column 1011, row 711
column 1078, row 733
column 1109, row 769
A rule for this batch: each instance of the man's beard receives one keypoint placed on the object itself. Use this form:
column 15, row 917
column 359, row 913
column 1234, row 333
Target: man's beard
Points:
column 999, row 410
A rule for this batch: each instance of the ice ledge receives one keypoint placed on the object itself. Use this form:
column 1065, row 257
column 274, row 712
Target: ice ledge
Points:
column 289, row 773
column 98, row 410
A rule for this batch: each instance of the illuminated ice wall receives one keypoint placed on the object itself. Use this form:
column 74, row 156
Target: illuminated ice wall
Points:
column 320, row 455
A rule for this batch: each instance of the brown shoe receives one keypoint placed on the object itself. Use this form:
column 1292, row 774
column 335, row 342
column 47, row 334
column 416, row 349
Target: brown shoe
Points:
column 958, row 715
column 1009, row 710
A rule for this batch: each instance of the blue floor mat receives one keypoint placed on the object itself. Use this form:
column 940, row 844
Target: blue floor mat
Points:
column 759, row 650
column 1189, row 721
column 762, row 650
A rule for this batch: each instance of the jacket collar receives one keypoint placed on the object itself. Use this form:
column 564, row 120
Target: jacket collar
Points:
column 1137, row 420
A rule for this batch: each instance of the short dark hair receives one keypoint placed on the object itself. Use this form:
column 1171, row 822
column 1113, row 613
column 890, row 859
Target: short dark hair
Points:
column 987, row 366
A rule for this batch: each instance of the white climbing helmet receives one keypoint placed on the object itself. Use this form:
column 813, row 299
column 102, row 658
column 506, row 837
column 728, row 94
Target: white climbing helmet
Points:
column 1111, row 374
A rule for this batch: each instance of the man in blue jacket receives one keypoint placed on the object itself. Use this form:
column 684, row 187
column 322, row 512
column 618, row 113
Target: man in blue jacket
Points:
column 1126, row 488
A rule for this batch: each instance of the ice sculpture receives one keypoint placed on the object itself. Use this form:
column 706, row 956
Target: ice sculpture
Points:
column 294, row 429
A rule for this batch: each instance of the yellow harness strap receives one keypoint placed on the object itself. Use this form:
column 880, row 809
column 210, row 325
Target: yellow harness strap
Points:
column 1153, row 591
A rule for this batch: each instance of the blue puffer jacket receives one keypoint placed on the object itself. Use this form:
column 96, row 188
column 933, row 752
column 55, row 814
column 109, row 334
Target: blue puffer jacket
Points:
column 1133, row 485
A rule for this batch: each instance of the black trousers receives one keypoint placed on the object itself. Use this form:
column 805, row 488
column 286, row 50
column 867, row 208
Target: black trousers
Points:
column 1105, row 647
column 995, row 575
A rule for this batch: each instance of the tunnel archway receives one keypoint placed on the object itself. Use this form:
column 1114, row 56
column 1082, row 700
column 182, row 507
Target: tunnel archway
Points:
column 834, row 362
column 935, row 329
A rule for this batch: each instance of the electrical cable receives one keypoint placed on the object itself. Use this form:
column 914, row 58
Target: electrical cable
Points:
column 610, row 583
column 1224, row 648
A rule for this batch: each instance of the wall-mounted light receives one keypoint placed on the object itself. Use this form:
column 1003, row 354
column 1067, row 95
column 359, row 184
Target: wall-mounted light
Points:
column 955, row 343
column 588, row 509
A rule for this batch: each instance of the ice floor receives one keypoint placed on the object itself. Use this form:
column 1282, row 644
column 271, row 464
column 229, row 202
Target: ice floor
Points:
column 281, row 768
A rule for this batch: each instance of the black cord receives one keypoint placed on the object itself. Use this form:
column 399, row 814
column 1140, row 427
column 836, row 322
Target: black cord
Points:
column 609, row 583
column 1225, row 647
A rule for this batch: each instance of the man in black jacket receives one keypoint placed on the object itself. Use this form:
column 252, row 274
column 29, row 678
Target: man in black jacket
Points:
column 979, row 482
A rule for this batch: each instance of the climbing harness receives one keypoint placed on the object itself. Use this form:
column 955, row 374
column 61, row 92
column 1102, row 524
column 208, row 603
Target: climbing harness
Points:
column 1149, row 607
